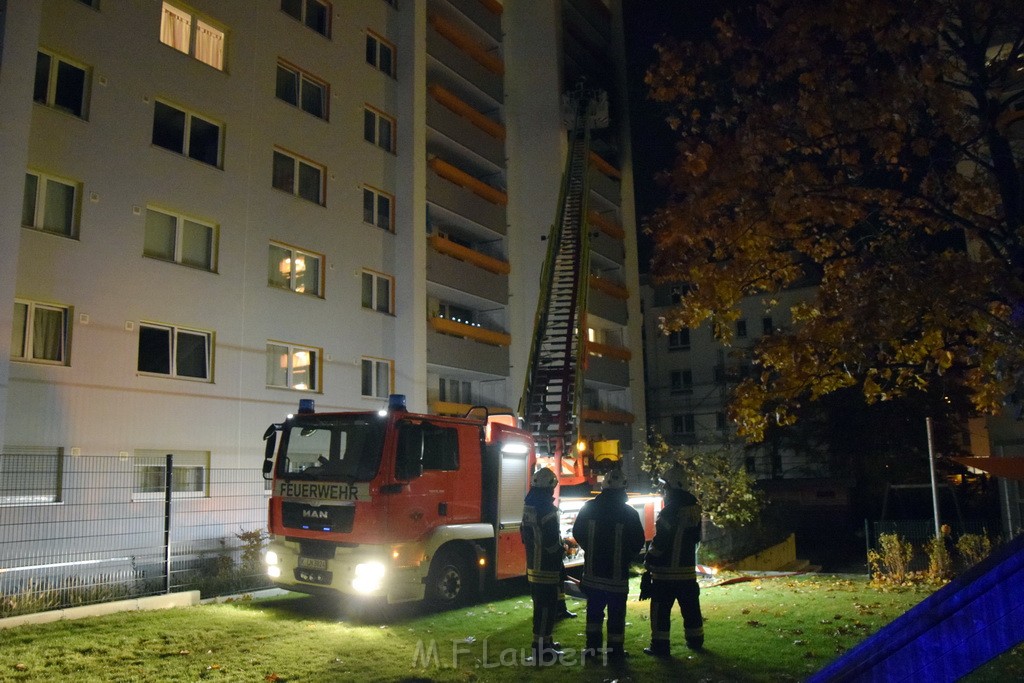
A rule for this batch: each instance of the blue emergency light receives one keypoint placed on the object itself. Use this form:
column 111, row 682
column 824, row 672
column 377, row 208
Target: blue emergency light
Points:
column 306, row 405
column 396, row 402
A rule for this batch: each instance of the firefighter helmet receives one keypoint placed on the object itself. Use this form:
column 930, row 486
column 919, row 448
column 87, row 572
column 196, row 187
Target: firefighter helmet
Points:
column 615, row 479
column 544, row 478
column 674, row 477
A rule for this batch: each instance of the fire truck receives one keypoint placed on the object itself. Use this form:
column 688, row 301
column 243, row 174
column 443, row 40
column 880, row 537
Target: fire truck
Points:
column 396, row 505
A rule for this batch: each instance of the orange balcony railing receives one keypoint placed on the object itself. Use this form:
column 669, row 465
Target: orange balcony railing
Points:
column 480, row 334
column 455, row 250
column 603, row 166
column 467, row 44
column 612, row 416
column 466, row 110
column 608, row 287
column 463, row 179
column 608, row 351
column 493, row 6
column 606, row 225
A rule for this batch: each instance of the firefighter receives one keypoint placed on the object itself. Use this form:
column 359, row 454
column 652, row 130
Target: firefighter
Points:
column 541, row 534
column 611, row 535
column 671, row 562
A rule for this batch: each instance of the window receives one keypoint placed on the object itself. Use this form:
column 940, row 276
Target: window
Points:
column 174, row 351
column 295, row 269
column 299, row 177
column 683, row 424
column 767, row 325
column 39, row 333
column 378, row 208
column 679, row 340
column 293, row 367
column 315, row 14
column 298, row 88
column 376, row 382
column 432, row 446
column 180, row 239
column 720, row 422
column 193, row 36
column 377, row 289
column 50, row 204
column 189, row 474
column 61, row 84
column 380, row 54
column 186, row 133
column 379, row 129
column 31, row 478
column 681, row 381
column 454, row 390
column 741, row 329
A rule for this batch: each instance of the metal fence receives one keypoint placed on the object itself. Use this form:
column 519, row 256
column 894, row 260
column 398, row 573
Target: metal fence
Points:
column 89, row 529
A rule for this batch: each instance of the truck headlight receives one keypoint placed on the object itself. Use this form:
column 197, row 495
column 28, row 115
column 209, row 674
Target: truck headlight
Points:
column 271, row 558
column 369, row 576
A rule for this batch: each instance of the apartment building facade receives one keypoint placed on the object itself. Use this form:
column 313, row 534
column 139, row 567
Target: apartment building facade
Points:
column 211, row 209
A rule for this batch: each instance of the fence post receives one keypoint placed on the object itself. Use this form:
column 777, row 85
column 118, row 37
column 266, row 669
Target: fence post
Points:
column 867, row 537
column 168, row 483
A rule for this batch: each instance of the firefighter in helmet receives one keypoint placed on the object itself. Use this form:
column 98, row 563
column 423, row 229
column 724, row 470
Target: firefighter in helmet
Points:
column 671, row 562
column 541, row 534
column 611, row 535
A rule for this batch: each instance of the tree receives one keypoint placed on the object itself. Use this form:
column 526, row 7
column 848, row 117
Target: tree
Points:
column 867, row 146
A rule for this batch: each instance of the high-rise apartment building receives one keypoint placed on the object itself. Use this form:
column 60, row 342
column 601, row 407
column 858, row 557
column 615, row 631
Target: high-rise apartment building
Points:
column 211, row 209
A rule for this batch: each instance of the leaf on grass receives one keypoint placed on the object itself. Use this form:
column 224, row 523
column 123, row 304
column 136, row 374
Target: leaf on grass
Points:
column 754, row 622
column 20, row 666
column 184, row 652
column 272, row 677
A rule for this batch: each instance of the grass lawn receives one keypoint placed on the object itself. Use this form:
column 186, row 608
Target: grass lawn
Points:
column 778, row 629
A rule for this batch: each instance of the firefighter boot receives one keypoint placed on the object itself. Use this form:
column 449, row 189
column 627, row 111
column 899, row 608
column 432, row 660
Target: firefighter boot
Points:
column 544, row 652
column 658, row 648
column 562, row 611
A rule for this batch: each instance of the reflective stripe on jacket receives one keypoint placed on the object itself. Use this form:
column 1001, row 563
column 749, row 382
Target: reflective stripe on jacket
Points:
column 610, row 533
column 677, row 534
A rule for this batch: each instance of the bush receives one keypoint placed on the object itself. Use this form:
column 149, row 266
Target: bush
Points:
column 940, row 564
column 974, row 548
column 891, row 563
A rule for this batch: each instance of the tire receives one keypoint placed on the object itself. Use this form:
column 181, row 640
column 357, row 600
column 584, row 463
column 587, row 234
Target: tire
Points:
column 450, row 581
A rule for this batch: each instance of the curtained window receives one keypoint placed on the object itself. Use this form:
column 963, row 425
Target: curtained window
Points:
column 192, row 36
column 39, row 333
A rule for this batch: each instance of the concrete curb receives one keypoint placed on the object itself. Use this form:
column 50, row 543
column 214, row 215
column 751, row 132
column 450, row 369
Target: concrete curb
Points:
column 153, row 602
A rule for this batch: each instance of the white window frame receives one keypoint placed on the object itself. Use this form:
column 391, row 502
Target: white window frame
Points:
column 303, row 80
column 298, row 257
column 454, row 390
column 49, row 98
column 294, row 352
column 180, row 221
column 40, row 205
column 379, row 119
column 28, row 338
column 175, row 332
column 298, row 163
column 375, row 279
column 377, row 45
column 35, row 476
column 186, row 141
column 190, row 474
column 210, row 52
column 679, row 340
column 304, row 17
column 373, row 197
column 376, row 367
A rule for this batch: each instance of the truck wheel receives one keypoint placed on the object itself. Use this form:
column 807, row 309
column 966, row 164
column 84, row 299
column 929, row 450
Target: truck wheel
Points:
column 450, row 580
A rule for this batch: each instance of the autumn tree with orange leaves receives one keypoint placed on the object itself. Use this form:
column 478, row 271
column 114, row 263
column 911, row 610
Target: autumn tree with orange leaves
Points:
column 875, row 147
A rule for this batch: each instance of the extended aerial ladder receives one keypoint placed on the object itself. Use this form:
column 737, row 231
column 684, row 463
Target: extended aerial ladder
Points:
column 550, row 404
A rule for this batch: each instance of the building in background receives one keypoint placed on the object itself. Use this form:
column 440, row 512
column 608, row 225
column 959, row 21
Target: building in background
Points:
column 212, row 209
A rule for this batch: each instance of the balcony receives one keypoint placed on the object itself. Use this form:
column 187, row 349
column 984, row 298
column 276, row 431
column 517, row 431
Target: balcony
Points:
column 608, row 351
column 466, row 331
column 620, row 417
column 457, row 251
column 453, row 190
column 456, row 120
column 463, row 55
column 467, row 270
column 610, row 288
column 444, row 349
column 606, row 225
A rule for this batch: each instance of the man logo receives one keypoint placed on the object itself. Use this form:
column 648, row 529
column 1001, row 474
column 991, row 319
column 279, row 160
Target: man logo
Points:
column 315, row 514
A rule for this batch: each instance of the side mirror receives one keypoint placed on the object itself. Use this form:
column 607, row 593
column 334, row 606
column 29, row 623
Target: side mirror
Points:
column 270, row 436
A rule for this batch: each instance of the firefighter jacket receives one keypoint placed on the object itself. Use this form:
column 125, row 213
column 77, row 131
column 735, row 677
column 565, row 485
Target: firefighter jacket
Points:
column 611, row 535
column 542, row 537
column 677, row 533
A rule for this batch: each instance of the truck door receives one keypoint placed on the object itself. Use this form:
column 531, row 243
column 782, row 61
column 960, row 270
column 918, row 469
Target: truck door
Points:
column 427, row 459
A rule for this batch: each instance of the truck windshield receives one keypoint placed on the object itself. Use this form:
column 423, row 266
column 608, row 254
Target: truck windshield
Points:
column 332, row 448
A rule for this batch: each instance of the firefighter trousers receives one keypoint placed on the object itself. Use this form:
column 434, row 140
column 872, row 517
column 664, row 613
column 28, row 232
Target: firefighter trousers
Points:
column 545, row 601
column 664, row 595
column 597, row 601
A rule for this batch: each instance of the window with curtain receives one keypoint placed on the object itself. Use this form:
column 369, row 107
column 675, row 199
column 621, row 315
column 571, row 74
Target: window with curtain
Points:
column 39, row 332
column 192, row 36
column 290, row 366
column 294, row 269
column 180, row 239
column 50, row 204
column 189, row 473
column 31, row 475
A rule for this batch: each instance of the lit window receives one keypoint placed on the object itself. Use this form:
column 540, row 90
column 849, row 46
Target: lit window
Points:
column 186, row 133
column 188, row 34
column 174, row 351
column 293, row 367
column 189, row 474
column 379, row 129
column 61, row 84
column 50, row 204
column 298, row 88
column 178, row 238
column 315, row 14
column 294, row 269
column 378, row 208
column 376, row 378
column 380, row 54
column 298, row 177
column 377, row 290
column 30, row 476
column 40, row 333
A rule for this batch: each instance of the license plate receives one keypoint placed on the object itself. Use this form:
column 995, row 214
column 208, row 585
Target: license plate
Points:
column 313, row 576
column 312, row 563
